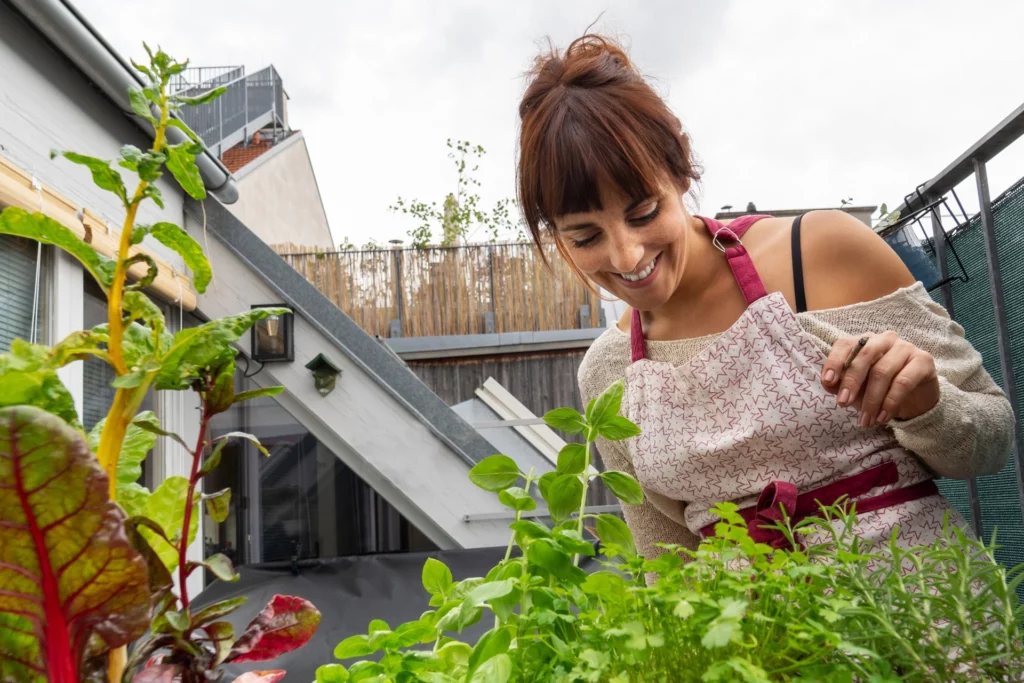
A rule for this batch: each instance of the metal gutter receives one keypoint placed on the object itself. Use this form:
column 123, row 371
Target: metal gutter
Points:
column 71, row 34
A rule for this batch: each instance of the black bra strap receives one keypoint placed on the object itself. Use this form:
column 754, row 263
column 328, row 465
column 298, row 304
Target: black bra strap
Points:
column 798, row 268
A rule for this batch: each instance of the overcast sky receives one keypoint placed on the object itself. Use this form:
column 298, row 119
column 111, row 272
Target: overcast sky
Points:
column 789, row 104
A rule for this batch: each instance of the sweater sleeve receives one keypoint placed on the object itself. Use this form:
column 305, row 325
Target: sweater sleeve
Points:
column 970, row 431
column 649, row 523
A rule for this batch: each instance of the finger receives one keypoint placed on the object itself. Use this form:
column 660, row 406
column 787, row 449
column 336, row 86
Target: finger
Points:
column 853, row 379
column 833, row 369
column 918, row 370
column 880, row 379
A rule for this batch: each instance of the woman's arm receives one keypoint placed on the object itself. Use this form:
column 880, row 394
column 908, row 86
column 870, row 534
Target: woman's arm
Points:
column 916, row 371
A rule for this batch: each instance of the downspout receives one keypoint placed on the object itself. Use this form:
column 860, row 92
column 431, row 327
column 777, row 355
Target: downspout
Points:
column 74, row 36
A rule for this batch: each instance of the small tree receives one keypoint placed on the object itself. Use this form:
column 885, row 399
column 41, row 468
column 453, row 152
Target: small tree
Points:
column 461, row 213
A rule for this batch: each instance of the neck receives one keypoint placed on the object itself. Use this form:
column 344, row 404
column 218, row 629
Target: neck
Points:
column 701, row 269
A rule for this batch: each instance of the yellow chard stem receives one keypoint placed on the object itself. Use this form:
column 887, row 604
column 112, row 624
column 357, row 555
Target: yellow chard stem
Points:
column 126, row 401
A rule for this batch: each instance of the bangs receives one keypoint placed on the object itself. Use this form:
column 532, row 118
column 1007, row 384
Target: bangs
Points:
column 590, row 143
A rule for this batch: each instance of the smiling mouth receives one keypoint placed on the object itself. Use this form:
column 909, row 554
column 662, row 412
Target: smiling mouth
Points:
column 643, row 274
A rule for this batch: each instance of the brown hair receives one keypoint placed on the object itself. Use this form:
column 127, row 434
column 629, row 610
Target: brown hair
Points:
column 588, row 117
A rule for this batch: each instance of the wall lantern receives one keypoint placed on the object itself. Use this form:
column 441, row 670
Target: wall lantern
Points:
column 273, row 338
column 325, row 372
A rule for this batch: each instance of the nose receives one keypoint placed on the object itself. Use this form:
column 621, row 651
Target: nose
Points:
column 626, row 255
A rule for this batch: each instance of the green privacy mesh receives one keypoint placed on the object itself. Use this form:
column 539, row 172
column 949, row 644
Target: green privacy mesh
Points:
column 972, row 307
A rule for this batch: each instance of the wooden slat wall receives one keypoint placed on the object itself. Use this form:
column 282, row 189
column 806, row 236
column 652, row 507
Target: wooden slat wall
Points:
column 447, row 290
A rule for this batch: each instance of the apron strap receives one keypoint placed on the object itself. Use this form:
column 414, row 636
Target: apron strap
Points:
column 726, row 239
column 739, row 261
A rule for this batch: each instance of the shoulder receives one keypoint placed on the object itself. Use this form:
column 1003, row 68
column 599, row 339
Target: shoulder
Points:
column 845, row 262
column 605, row 362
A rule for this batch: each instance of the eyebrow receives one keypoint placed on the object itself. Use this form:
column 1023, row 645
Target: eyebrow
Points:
column 588, row 224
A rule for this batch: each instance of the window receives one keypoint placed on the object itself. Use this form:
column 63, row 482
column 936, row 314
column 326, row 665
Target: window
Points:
column 302, row 501
column 18, row 290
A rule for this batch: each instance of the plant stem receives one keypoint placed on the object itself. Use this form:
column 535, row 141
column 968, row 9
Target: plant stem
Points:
column 583, row 502
column 193, row 481
column 126, row 401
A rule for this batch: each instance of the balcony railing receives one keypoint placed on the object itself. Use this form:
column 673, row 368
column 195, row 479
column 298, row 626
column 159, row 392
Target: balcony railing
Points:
column 249, row 103
column 474, row 289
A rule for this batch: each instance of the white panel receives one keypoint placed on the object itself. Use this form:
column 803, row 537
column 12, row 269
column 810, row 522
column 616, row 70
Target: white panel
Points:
column 67, row 301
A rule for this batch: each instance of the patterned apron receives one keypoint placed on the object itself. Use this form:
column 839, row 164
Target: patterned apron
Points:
column 748, row 421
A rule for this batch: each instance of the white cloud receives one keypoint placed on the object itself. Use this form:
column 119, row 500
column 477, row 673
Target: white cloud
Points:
column 789, row 103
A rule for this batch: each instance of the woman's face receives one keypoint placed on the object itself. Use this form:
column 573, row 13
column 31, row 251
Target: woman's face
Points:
column 634, row 248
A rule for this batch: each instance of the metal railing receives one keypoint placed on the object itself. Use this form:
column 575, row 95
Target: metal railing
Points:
column 972, row 259
column 250, row 102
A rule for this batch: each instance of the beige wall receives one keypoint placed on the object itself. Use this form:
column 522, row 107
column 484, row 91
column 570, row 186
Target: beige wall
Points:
column 278, row 197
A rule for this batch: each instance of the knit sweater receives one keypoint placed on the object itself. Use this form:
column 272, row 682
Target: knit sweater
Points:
column 968, row 433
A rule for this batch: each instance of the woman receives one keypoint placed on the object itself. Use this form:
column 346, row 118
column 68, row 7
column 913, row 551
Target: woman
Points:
column 736, row 350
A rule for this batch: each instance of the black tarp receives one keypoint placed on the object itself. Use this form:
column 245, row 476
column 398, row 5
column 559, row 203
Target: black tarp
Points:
column 349, row 592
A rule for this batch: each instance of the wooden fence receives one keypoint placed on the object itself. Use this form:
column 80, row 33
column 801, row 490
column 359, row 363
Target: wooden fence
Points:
column 472, row 289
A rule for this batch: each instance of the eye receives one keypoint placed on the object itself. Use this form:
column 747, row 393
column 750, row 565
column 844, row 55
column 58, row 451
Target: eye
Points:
column 651, row 212
column 585, row 242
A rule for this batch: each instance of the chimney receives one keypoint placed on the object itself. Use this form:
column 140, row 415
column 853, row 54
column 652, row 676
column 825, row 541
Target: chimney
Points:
column 751, row 208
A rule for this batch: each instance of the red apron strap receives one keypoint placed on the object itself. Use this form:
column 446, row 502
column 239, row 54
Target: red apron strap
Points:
column 727, row 239
column 636, row 337
column 739, row 261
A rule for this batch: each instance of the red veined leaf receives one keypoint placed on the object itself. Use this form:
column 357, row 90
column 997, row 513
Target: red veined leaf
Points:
column 73, row 587
column 272, row 676
column 285, row 624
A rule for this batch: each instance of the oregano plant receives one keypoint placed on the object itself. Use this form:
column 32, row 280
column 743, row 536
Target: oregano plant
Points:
column 88, row 556
column 728, row 610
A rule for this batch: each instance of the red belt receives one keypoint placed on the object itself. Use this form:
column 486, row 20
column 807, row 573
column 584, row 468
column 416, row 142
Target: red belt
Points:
column 780, row 495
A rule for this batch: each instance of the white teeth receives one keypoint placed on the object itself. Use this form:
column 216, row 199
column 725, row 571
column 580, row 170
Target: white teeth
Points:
column 642, row 275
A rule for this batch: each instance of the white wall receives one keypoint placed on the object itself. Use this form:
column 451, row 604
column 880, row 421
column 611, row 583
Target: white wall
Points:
column 279, row 199
column 45, row 104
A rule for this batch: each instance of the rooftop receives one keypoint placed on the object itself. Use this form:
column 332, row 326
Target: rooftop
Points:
column 244, row 154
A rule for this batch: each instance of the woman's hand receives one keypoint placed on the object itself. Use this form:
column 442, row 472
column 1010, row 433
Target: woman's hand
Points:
column 889, row 378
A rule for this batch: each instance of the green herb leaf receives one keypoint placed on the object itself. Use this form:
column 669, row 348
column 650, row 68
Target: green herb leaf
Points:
column 495, row 473
column 572, row 542
column 173, row 237
column 166, row 507
column 544, row 483
column 493, row 643
column 354, row 646
column 572, row 459
column 217, row 610
column 606, row 406
column 613, row 531
column 617, row 428
column 565, row 419
column 625, row 487
column 564, row 496
column 180, row 125
column 547, row 554
column 332, row 673
column 517, row 499
column 497, row 669
column 530, row 529
column 437, row 577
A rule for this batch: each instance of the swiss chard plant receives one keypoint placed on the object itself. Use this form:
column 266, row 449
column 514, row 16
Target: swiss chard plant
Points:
column 729, row 610
column 88, row 556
